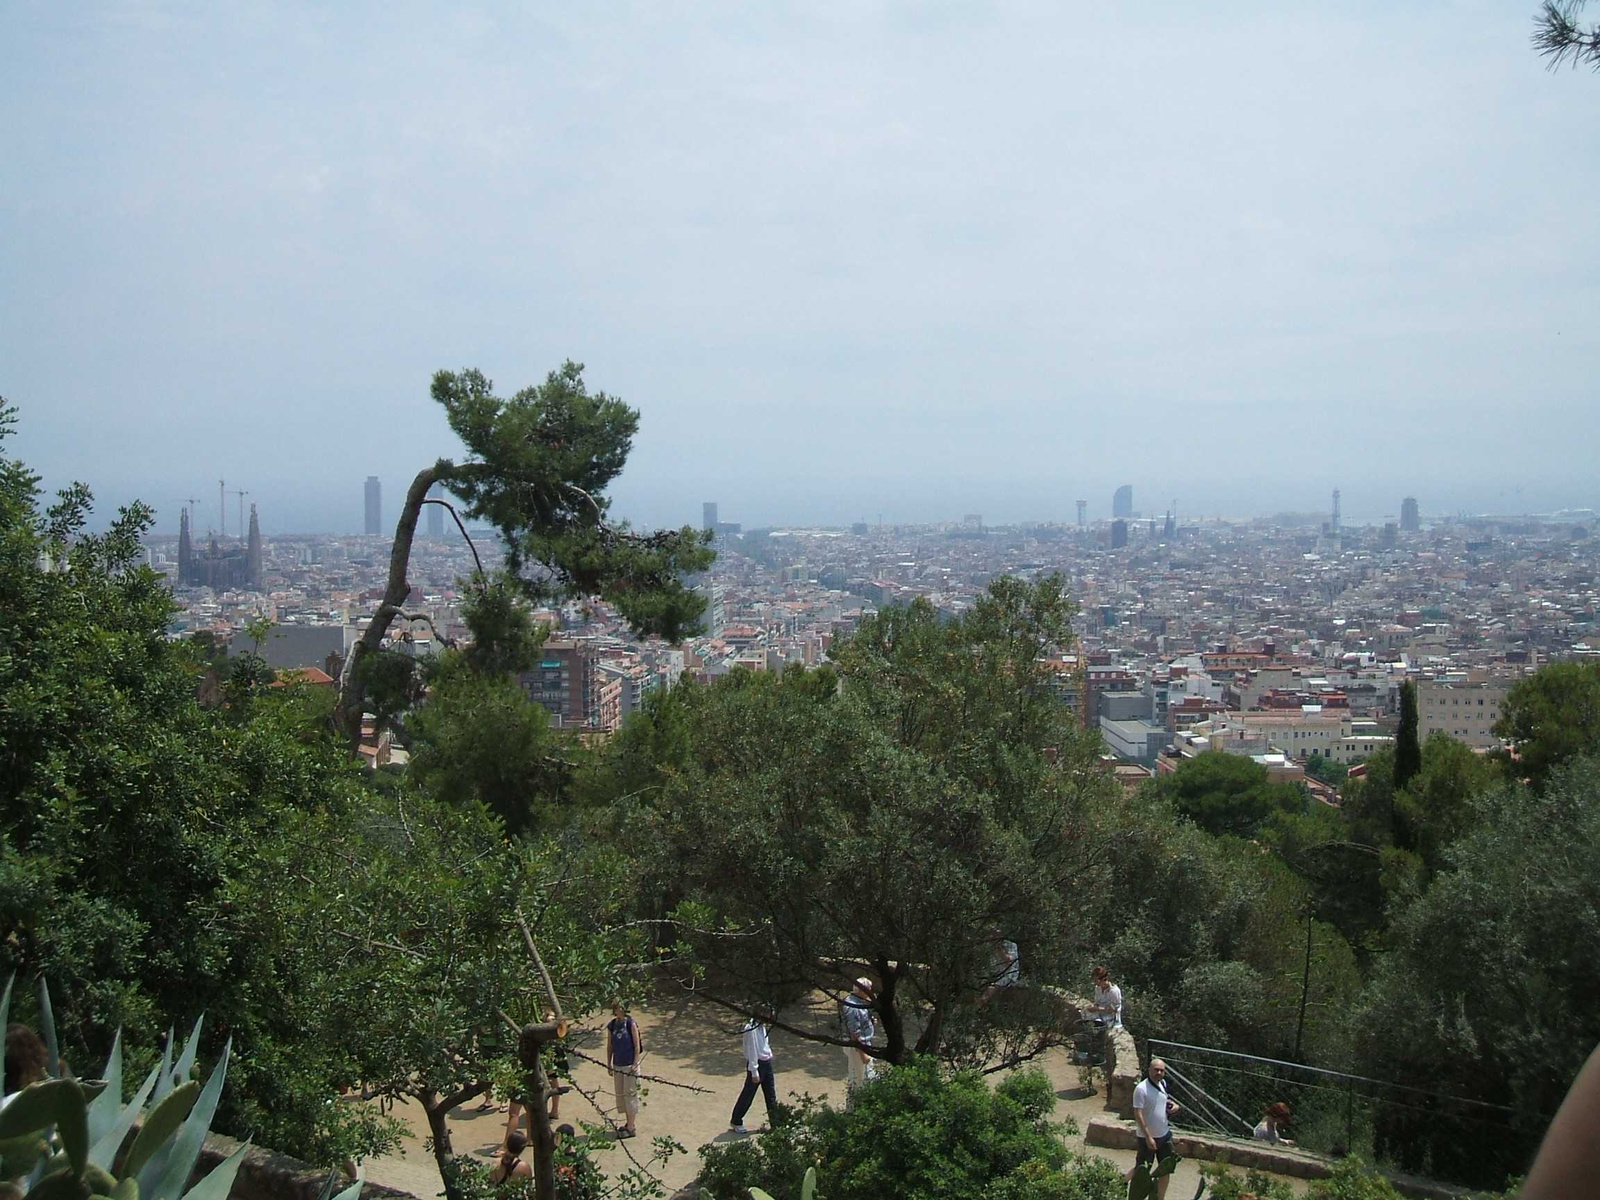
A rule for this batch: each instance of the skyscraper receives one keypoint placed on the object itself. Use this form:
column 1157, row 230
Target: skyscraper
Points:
column 253, row 551
column 1410, row 519
column 374, row 506
column 708, row 515
column 185, row 547
column 1119, row 534
column 1122, row 501
column 1082, row 505
column 435, row 512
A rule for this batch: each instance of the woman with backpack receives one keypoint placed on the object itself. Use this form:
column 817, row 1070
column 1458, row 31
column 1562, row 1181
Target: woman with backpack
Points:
column 623, row 1051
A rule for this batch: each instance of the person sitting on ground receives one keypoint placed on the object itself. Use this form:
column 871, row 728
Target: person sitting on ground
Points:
column 510, row 1165
column 1273, row 1120
column 27, row 1060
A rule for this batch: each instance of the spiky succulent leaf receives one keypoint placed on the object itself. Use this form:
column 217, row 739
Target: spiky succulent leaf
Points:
column 164, row 1176
column 103, row 1108
column 158, row 1129
column 219, row 1180
column 104, row 1149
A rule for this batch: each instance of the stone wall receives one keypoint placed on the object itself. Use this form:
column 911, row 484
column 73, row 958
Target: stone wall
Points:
column 1122, row 1069
column 268, row 1175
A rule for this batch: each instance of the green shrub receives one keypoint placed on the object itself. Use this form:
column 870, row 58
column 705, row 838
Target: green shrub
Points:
column 918, row 1131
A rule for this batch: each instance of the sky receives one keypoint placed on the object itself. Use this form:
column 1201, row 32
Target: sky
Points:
column 851, row 261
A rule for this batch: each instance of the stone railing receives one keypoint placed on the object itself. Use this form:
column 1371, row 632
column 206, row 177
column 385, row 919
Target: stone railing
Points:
column 268, row 1175
column 1122, row 1070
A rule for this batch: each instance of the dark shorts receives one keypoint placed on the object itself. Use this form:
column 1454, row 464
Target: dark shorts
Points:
column 1163, row 1149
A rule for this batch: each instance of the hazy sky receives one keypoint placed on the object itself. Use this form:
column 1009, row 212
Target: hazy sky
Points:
column 914, row 260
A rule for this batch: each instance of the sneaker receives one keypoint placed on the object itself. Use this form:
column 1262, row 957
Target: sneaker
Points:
column 738, row 1127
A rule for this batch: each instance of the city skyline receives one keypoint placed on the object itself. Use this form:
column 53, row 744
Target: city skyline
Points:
column 931, row 262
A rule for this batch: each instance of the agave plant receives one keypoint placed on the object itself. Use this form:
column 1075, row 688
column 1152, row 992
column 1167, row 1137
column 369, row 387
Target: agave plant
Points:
column 808, row 1188
column 60, row 1137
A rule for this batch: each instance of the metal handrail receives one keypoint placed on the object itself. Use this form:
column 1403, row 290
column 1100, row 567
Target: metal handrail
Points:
column 1277, row 1062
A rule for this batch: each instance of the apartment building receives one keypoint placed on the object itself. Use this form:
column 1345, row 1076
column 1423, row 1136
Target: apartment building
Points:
column 1464, row 707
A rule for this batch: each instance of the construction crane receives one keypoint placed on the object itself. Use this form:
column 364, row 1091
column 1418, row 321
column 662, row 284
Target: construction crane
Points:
column 222, row 508
column 241, row 493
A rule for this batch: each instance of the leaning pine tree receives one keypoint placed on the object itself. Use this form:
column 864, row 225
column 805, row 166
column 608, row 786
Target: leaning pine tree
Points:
column 539, row 463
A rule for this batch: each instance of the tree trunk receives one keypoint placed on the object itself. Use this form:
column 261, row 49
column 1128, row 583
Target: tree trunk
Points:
column 347, row 712
column 439, row 1130
column 537, row 1101
column 894, row 1028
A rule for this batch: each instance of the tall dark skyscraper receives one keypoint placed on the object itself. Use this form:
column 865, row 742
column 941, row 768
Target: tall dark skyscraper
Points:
column 708, row 515
column 1119, row 534
column 1410, row 518
column 374, row 524
column 253, row 551
column 185, row 547
column 1122, row 501
column 435, row 512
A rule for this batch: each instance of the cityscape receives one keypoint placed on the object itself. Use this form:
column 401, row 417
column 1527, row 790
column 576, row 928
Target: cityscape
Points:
column 1280, row 637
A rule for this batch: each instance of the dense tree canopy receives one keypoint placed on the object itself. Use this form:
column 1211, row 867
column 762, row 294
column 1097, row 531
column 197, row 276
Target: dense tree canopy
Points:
column 898, row 817
column 1552, row 716
column 538, row 465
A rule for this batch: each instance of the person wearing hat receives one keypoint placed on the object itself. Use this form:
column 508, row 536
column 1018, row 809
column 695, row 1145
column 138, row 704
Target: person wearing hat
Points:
column 1272, row 1121
column 856, row 1024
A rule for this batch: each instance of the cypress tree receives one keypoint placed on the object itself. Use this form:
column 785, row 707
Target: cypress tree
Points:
column 1407, row 749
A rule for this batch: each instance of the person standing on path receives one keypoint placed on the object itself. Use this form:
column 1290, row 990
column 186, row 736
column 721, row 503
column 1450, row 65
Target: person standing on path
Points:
column 623, row 1051
column 758, row 1072
column 1107, row 1006
column 855, row 1019
column 1152, row 1109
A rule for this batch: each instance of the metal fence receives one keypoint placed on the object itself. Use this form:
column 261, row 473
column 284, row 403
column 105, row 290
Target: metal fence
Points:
column 1398, row 1126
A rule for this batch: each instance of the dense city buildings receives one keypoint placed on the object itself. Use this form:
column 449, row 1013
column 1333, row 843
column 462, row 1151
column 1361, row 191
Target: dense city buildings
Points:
column 1279, row 638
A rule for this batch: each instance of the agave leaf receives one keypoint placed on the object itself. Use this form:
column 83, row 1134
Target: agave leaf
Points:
column 47, row 1027
column 164, row 1084
column 353, row 1192
column 59, row 1185
column 185, row 1064
column 18, row 1156
column 5, row 1019
column 219, row 1180
column 103, row 1108
column 326, row 1193
column 51, row 1102
column 759, row 1194
column 163, row 1177
column 808, row 1185
column 159, row 1128
column 99, row 1180
column 104, row 1150
column 1140, row 1185
column 1166, row 1166
column 128, row 1189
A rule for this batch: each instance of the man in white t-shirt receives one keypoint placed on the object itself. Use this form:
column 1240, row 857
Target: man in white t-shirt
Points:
column 1151, row 1109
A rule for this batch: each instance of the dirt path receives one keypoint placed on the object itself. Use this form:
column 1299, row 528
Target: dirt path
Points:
column 695, row 1043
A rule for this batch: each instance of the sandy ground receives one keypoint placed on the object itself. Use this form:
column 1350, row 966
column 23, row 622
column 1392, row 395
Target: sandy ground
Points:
column 693, row 1049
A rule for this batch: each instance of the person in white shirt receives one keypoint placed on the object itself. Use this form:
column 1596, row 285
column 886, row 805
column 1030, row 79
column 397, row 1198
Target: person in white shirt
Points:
column 1107, row 1004
column 758, row 1072
column 857, row 1025
column 1152, row 1108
